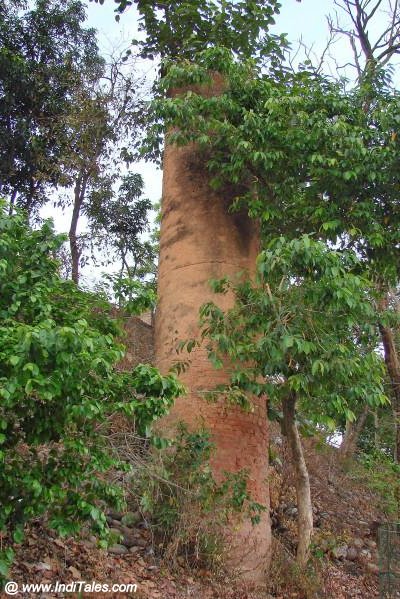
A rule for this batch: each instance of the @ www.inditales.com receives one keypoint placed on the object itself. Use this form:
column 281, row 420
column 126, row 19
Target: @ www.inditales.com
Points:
column 78, row 586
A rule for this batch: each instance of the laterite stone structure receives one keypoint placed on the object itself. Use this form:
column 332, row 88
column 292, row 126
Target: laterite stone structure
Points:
column 200, row 240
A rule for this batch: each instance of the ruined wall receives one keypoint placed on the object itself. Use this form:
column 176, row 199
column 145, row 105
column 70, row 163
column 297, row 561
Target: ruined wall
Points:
column 139, row 342
column 200, row 240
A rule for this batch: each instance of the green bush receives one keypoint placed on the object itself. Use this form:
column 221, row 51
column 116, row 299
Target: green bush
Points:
column 58, row 384
column 382, row 475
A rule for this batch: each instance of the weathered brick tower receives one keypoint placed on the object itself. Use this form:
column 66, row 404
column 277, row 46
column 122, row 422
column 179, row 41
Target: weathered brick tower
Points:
column 200, row 240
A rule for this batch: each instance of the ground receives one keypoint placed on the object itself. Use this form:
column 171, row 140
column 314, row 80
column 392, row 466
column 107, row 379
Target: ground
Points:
column 344, row 564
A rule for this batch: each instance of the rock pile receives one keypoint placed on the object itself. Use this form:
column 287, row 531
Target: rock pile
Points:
column 357, row 550
column 129, row 534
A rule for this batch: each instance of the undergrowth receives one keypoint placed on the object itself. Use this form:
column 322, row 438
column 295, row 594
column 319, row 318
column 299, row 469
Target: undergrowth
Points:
column 188, row 509
column 382, row 475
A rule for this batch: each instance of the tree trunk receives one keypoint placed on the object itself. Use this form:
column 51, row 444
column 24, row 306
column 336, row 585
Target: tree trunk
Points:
column 353, row 430
column 201, row 240
column 393, row 368
column 302, row 481
column 12, row 202
column 79, row 196
column 376, row 430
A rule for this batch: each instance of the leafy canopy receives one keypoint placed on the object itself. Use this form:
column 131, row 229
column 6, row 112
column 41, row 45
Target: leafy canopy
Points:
column 45, row 52
column 183, row 28
column 299, row 146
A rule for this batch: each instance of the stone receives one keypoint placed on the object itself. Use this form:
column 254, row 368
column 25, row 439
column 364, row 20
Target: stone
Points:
column 374, row 568
column 131, row 541
column 88, row 544
column 340, row 552
column 352, row 554
column 370, row 543
column 42, row 566
column 116, row 523
column 277, row 463
column 117, row 549
column 135, row 549
column 116, row 532
column 365, row 555
column 114, row 515
column 358, row 543
column 75, row 573
column 131, row 518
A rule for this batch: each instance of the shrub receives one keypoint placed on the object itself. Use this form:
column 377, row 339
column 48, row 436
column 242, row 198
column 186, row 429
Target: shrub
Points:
column 187, row 507
column 381, row 474
column 58, row 383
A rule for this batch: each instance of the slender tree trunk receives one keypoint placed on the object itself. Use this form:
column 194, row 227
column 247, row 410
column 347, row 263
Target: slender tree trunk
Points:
column 376, row 430
column 393, row 369
column 79, row 196
column 303, row 491
column 353, row 430
column 12, row 202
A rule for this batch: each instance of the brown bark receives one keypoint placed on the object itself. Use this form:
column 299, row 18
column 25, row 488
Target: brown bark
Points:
column 376, row 430
column 79, row 196
column 302, row 481
column 393, row 369
column 201, row 240
column 353, row 430
column 12, row 202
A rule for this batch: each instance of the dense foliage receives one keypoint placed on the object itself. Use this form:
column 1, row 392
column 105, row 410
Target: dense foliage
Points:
column 301, row 146
column 45, row 53
column 118, row 220
column 306, row 327
column 58, row 385
column 182, row 29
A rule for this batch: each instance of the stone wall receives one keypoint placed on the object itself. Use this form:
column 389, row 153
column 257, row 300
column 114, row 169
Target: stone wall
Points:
column 139, row 342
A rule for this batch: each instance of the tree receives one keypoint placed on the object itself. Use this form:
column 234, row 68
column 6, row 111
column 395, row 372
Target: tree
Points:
column 302, row 146
column 304, row 334
column 181, row 29
column 59, row 383
column 102, row 125
column 117, row 222
column 371, row 51
column 44, row 54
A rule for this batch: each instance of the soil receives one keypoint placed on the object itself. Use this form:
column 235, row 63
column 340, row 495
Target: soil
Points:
column 344, row 563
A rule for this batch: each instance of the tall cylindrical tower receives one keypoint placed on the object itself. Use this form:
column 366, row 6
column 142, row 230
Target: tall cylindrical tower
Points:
column 200, row 240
